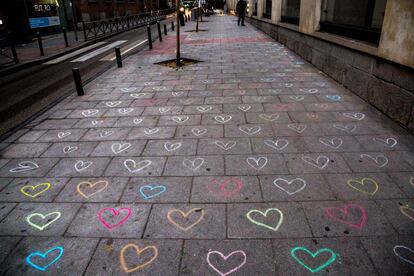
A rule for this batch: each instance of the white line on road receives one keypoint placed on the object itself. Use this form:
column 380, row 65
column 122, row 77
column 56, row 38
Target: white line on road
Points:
column 74, row 54
column 112, row 57
column 99, row 51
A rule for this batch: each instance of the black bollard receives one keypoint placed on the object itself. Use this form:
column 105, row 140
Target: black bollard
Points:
column 165, row 29
column 172, row 25
column 39, row 40
column 118, row 57
column 78, row 81
column 159, row 31
column 149, row 36
column 13, row 49
column 65, row 37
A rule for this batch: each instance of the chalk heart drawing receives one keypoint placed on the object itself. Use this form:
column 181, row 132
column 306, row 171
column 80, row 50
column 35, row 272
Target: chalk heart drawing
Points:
column 137, row 121
column 177, row 94
column 69, row 149
column 125, row 110
column 106, row 133
column 96, row 122
column 365, row 185
column 128, row 89
column 88, row 189
column 122, row 214
column 24, row 166
column 299, row 128
column 90, row 112
column 335, row 98
column 180, row 119
column 113, row 104
column 153, row 251
column 198, row 131
column 244, row 107
column 150, row 131
column 257, row 163
column 404, row 253
column 82, row 165
column 346, row 128
column 134, row 166
column 50, row 217
column 320, row 162
column 34, row 191
column 279, row 144
column 407, row 211
column 226, row 188
column 312, row 115
column 150, row 191
column 225, row 258
column 63, row 134
column 172, row 146
column 316, row 256
column 225, row 146
column 297, row 98
column 342, row 215
column 222, row 119
column 250, row 130
column 268, row 212
column 380, row 160
column 204, row 108
column 57, row 250
column 195, row 212
column 164, row 109
column 291, row 187
column 389, row 142
column 137, row 95
column 334, row 143
column 356, row 115
column 194, row 164
column 120, row 147
column 269, row 117
column 309, row 91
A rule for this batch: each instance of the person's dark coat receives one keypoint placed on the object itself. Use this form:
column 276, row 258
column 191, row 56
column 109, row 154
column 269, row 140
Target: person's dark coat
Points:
column 241, row 7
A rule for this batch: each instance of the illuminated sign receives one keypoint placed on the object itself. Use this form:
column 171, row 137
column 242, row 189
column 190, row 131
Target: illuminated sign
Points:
column 43, row 13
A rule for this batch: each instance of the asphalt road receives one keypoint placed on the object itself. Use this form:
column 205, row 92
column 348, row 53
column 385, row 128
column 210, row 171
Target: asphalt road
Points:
column 30, row 91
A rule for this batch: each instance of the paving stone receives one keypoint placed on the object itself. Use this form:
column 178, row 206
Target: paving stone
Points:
column 400, row 213
column 170, row 147
column 75, row 167
column 194, row 165
column 193, row 221
column 106, row 134
column 135, row 166
column 31, row 136
column 119, row 148
column 155, row 257
column 405, row 181
column 151, row 133
column 163, row 110
column 158, row 189
column 109, row 220
column 255, row 164
column 226, row 118
column 256, row 130
column 7, row 245
column 70, row 149
column 62, row 135
column 205, row 131
column 148, row 121
column 67, row 248
column 30, row 167
column 279, row 145
column 95, row 123
column 4, row 182
column 385, row 142
column 5, row 209
column 379, row 161
column 250, row 257
column 34, row 219
column 333, row 144
column 24, row 150
column 56, row 124
column 224, row 145
column 315, row 163
column 262, row 118
column 202, row 109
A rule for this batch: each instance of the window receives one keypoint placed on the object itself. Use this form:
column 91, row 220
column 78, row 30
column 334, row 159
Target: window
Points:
column 290, row 11
column 359, row 19
column 267, row 9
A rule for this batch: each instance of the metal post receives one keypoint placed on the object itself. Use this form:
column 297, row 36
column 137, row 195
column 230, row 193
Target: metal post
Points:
column 149, row 36
column 185, row 17
column 165, row 29
column 39, row 40
column 118, row 57
column 159, row 31
column 178, row 61
column 65, row 37
column 13, row 50
column 78, row 81
column 84, row 29
column 172, row 25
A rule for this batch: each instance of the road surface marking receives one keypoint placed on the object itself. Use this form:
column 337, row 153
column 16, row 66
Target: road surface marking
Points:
column 112, row 56
column 73, row 54
column 99, row 51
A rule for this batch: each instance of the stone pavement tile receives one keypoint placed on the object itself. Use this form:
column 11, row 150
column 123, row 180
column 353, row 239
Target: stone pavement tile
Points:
column 386, row 142
column 311, row 117
column 32, row 189
column 225, row 189
column 283, row 107
column 24, row 150
column 108, row 189
column 405, row 181
column 62, row 135
column 380, row 162
column 77, row 104
column 39, row 219
column 141, row 257
column 3, row 162
column 88, row 113
column 249, row 130
column 227, row 118
column 170, row 147
column 158, row 189
column 255, row 164
column 75, row 167
column 151, row 133
column 31, row 136
column 344, row 218
column 352, row 128
column 145, row 97
column 223, row 100
column 95, row 123
column 279, row 145
column 106, row 134
column 235, row 108
column 7, row 244
column 109, row 220
column 266, row 220
column 262, row 118
column 314, row 107
column 297, row 98
column 162, row 110
column 171, row 94
column 179, row 120
column 113, row 104
column 149, row 121
column 248, row 257
column 297, row 129
column 135, row 166
column 30, row 167
column 4, row 181
column 56, row 124
column 391, row 255
column 194, row 221
column 332, row 256
column 5, row 209
column 363, row 186
column 224, row 145
column 259, row 99
column 62, row 255
column 194, row 165
column 306, row 187
column 70, row 149
column 239, row 92
column 400, row 213
column 316, row 163
column 119, row 148
column 205, row 131
column 187, row 101
column 60, row 114
column 125, row 87
column 332, row 144
column 203, row 109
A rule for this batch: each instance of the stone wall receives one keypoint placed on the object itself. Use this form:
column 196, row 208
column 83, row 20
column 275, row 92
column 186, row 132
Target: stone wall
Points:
column 386, row 85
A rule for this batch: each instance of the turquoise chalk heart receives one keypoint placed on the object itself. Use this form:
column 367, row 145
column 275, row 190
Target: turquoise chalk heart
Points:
column 43, row 256
column 314, row 255
column 150, row 191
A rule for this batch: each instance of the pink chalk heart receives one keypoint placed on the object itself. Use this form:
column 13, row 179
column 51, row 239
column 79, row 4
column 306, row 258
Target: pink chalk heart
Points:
column 343, row 215
column 225, row 258
column 226, row 188
column 121, row 215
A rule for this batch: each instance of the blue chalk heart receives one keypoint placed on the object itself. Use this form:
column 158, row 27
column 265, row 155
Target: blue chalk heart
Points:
column 43, row 256
column 151, row 188
column 334, row 97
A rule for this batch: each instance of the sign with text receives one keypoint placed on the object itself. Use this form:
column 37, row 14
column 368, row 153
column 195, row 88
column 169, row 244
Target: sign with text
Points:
column 43, row 13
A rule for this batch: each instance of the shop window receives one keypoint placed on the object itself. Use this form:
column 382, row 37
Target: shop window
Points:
column 267, row 9
column 290, row 11
column 358, row 19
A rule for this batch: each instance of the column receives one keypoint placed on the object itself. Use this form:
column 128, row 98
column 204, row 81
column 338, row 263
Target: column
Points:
column 276, row 10
column 251, row 3
column 260, row 6
column 310, row 15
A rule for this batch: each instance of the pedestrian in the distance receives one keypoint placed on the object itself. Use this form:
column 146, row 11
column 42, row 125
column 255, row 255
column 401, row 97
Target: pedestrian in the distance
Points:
column 241, row 10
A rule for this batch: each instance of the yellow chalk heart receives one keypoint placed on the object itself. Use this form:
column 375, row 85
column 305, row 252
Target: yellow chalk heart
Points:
column 46, row 186
column 41, row 227
column 406, row 210
column 264, row 214
column 361, row 185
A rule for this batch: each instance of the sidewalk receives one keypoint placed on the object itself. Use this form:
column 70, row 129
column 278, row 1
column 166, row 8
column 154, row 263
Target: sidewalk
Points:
column 251, row 162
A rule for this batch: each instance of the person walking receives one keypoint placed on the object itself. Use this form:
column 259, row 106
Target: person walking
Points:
column 241, row 10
